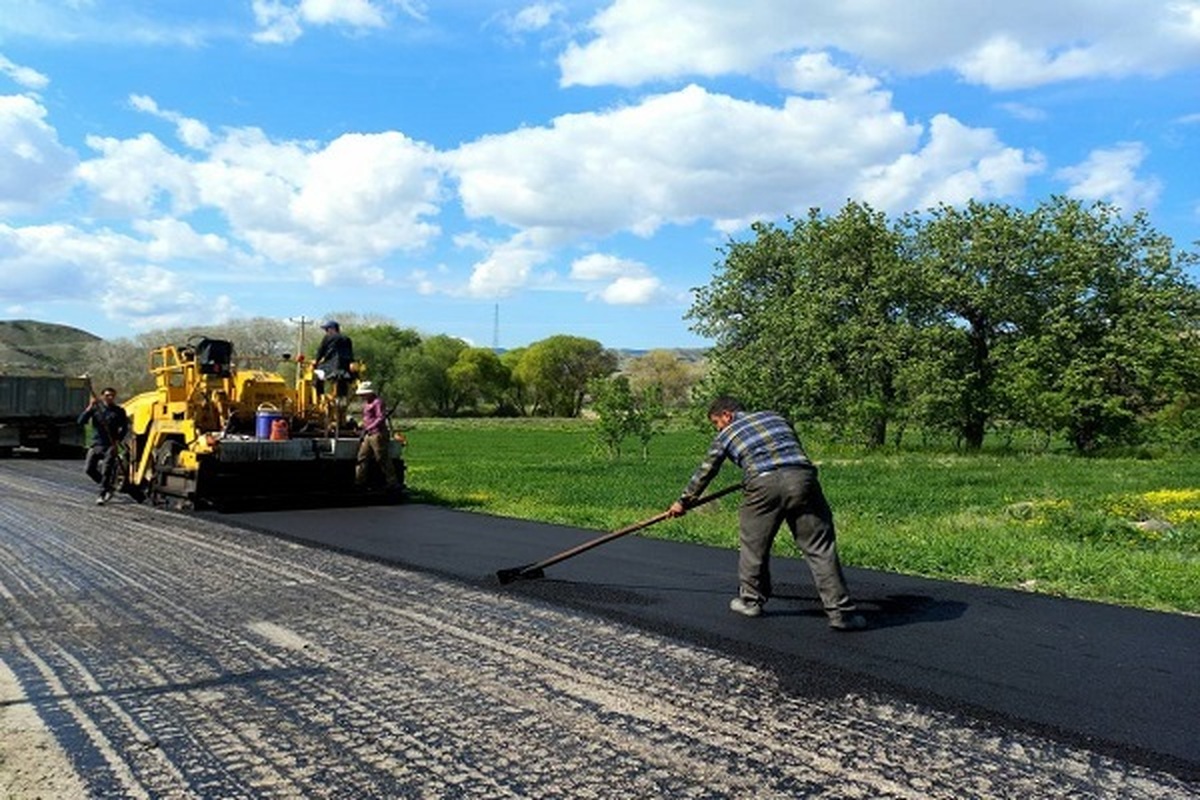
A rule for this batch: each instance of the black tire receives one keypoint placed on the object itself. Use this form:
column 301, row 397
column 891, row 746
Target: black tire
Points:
column 164, row 459
column 166, row 455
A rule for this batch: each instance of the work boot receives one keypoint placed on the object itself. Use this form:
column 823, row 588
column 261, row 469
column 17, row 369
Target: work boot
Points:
column 747, row 608
column 103, row 498
column 847, row 621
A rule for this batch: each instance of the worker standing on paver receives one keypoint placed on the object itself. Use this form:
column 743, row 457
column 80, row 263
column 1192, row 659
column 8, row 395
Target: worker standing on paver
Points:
column 781, row 486
column 333, row 360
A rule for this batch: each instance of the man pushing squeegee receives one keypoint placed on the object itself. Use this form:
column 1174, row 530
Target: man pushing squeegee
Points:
column 781, row 486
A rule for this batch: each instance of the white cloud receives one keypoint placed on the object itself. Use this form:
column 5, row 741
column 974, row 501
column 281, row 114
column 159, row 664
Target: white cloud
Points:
column 191, row 132
column 600, row 266
column 367, row 195
column 23, row 76
column 627, row 282
column 507, row 267
column 35, row 169
column 64, row 263
column 1001, row 45
column 1003, row 62
column 152, row 298
column 136, row 176
column 676, row 158
column 691, row 155
column 126, row 24
column 51, row 262
column 1110, row 175
column 632, row 291
column 341, row 276
column 957, row 164
column 278, row 22
column 330, row 210
column 168, row 240
column 1025, row 112
column 281, row 22
column 535, row 17
column 816, row 73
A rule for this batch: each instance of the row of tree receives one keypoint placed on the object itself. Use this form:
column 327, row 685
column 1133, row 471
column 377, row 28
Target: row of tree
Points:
column 442, row 375
column 421, row 375
column 1067, row 320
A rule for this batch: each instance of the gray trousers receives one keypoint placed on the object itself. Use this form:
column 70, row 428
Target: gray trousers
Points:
column 793, row 496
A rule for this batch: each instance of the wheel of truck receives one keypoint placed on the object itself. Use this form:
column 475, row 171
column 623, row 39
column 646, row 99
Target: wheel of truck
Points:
column 165, row 458
column 166, row 455
column 6, row 452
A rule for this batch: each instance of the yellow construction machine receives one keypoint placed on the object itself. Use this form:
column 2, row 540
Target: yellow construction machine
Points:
column 213, row 434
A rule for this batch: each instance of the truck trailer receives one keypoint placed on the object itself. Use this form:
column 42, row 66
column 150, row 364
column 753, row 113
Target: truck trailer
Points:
column 39, row 412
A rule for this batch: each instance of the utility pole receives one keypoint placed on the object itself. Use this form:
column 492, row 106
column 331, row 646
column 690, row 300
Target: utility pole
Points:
column 496, row 329
column 300, row 356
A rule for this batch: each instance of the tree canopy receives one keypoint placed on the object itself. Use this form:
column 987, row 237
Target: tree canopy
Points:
column 1068, row 319
column 555, row 373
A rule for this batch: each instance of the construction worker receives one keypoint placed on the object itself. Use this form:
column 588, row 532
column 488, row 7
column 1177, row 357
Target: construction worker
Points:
column 376, row 439
column 110, row 426
column 332, row 362
column 780, row 486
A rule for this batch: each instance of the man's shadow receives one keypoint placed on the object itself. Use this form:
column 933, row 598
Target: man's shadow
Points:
column 890, row 611
column 788, row 600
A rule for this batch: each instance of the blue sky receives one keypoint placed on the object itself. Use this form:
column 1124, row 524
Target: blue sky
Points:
column 561, row 167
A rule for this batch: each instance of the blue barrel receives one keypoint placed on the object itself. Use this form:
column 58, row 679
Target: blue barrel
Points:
column 263, row 418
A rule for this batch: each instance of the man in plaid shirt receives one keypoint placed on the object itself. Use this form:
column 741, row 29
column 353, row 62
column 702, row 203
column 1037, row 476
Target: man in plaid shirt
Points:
column 780, row 486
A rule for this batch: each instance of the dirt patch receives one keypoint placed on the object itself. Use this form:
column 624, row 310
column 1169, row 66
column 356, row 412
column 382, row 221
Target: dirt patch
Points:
column 32, row 765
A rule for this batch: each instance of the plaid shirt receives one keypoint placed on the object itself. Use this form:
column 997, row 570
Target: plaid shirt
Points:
column 757, row 441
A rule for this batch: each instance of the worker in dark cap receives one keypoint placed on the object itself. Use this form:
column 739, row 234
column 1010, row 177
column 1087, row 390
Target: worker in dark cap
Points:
column 332, row 363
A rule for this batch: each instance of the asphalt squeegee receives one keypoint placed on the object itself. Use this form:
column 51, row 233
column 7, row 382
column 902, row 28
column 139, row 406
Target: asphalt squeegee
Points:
column 537, row 568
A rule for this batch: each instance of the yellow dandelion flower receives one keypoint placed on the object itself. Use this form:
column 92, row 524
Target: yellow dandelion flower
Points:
column 1172, row 497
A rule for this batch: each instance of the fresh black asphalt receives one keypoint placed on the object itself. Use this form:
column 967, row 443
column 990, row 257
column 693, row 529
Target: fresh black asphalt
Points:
column 1119, row 681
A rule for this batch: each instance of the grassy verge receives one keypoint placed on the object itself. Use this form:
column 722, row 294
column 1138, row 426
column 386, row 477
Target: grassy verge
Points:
column 1120, row 530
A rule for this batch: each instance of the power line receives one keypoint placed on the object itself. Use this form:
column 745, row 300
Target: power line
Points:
column 303, row 322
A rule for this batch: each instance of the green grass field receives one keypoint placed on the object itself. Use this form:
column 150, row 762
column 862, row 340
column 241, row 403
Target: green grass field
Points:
column 1120, row 530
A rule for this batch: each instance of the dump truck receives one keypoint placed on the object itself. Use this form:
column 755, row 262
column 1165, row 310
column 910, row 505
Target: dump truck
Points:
column 218, row 435
column 40, row 412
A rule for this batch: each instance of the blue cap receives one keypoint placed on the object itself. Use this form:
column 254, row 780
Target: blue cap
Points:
column 330, row 323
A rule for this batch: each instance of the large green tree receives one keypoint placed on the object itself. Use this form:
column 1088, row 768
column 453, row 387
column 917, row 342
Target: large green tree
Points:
column 813, row 320
column 554, row 372
column 976, row 285
column 1114, row 342
column 423, row 376
column 673, row 376
column 381, row 348
column 479, row 376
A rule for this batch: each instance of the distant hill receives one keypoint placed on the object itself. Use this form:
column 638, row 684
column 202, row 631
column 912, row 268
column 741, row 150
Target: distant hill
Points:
column 690, row 355
column 28, row 346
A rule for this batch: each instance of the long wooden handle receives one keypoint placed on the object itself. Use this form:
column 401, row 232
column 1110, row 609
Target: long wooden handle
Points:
column 617, row 534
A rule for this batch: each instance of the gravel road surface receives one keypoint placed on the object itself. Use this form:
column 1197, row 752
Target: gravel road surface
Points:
column 152, row 654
